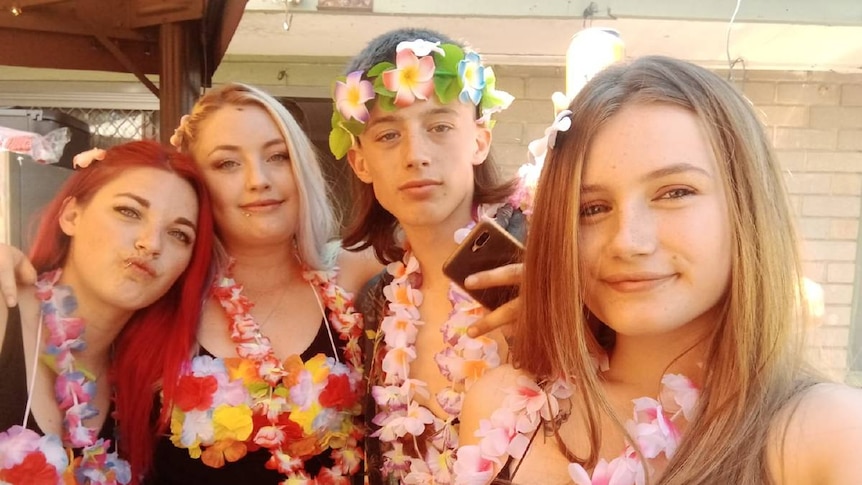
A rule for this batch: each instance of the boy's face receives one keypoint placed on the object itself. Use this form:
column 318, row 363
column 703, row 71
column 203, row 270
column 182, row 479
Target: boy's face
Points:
column 419, row 160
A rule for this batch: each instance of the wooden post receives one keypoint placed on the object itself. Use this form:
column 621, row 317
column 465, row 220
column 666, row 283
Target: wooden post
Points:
column 180, row 77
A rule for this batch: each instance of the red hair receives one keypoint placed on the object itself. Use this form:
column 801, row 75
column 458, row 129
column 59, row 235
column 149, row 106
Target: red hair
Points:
column 157, row 339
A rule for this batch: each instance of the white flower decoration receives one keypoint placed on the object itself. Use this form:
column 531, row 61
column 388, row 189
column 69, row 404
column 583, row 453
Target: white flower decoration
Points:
column 421, row 47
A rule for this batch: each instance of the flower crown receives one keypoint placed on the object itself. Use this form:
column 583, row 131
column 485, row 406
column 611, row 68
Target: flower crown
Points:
column 421, row 69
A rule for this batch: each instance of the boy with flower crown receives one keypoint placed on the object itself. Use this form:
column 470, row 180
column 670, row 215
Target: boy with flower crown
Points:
column 413, row 117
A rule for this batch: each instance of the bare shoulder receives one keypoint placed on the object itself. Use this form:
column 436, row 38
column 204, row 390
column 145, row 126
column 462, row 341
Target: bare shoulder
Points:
column 357, row 268
column 485, row 396
column 818, row 439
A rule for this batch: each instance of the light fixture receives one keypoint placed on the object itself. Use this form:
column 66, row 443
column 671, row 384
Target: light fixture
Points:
column 15, row 10
column 590, row 51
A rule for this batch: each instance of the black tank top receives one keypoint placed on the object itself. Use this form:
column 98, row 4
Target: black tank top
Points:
column 172, row 465
column 13, row 386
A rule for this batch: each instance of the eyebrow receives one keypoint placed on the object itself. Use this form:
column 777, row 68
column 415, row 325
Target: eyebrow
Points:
column 235, row 148
column 676, row 168
column 144, row 202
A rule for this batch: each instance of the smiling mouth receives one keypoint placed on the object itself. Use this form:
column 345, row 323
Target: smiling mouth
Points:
column 636, row 285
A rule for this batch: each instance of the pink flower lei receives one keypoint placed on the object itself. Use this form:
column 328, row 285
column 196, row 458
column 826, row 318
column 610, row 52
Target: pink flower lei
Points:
column 402, row 420
column 24, row 455
column 227, row 407
column 508, row 431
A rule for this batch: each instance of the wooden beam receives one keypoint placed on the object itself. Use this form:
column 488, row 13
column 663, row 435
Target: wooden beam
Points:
column 126, row 62
column 180, row 75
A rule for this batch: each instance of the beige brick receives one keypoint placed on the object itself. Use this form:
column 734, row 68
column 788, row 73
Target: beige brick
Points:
column 842, row 229
column 831, row 206
column 815, row 270
column 838, row 315
column 847, row 184
column 834, row 162
column 814, row 228
column 850, row 140
column 829, row 336
column 775, row 76
column 808, row 183
column 851, row 95
column 785, row 115
column 838, row 294
column 841, row 273
column 759, row 92
column 808, row 93
column 509, row 70
column 508, row 132
column 836, row 117
column 805, row 138
column 796, row 204
column 509, row 157
column 510, row 84
column 791, row 160
column 529, row 111
column 533, row 131
column 544, row 87
column 830, row 250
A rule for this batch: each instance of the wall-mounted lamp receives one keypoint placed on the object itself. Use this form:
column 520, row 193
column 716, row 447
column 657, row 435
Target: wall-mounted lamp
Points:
column 590, row 51
column 15, row 10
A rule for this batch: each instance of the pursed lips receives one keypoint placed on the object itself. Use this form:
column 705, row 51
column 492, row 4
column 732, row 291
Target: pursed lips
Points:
column 142, row 265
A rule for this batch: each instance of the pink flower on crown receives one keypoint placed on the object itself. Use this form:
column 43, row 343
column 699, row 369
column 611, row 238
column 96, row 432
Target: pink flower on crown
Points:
column 351, row 96
column 84, row 159
column 412, row 78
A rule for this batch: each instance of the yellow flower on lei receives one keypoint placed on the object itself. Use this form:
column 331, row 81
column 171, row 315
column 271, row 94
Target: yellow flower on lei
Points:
column 232, row 422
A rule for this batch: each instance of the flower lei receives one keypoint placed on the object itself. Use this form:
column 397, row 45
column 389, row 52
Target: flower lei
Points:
column 527, row 405
column 464, row 359
column 421, row 69
column 26, row 457
column 228, row 407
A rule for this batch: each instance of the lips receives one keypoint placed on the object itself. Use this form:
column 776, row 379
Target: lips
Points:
column 261, row 204
column 418, row 184
column 635, row 282
column 141, row 265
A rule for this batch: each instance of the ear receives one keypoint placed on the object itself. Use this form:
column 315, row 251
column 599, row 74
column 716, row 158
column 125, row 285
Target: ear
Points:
column 69, row 216
column 483, row 143
column 357, row 162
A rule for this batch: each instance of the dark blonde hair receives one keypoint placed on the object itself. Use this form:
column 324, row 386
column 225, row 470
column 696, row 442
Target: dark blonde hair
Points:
column 753, row 364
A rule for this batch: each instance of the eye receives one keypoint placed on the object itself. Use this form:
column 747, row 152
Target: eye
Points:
column 677, row 193
column 279, row 158
column 592, row 210
column 128, row 211
column 386, row 136
column 441, row 128
column 226, row 164
column 181, row 236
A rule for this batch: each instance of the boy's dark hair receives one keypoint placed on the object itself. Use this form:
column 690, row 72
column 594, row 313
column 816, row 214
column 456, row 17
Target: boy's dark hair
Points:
column 370, row 224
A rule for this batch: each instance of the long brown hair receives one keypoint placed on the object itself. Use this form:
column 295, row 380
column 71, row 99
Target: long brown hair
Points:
column 753, row 364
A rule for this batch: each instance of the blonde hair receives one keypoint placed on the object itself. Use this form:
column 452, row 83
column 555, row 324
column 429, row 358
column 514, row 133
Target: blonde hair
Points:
column 753, row 365
column 317, row 221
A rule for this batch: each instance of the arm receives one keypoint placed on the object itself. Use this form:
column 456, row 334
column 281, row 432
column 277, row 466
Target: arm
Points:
column 505, row 315
column 819, row 440
column 13, row 264
column 357, row 268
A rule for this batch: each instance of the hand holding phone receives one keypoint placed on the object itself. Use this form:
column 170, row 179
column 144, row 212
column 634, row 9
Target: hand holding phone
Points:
column 487, row 246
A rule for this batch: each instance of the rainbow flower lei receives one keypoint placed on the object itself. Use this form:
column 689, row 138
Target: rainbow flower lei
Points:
column 421, row 69
column 228, row 407
column 402, row 421
column 26, row 457
column 527, row 405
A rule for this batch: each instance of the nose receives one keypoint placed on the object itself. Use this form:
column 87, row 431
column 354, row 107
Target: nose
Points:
column 635, row 232
column 149, row 242
column 257, row 178
column 417, row 149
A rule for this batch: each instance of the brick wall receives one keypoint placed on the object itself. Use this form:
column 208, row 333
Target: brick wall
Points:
column 815, row 122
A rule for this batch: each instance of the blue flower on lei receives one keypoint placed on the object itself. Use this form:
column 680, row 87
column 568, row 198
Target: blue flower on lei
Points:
column 472, row 75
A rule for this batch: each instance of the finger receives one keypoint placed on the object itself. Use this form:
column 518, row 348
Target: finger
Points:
column 509, row 274
column 504, row 315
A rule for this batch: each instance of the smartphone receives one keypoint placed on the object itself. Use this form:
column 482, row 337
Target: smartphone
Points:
column 487, row 246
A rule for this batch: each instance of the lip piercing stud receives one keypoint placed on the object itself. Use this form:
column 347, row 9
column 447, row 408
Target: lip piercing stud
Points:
column 247, row 214
column 128, row 263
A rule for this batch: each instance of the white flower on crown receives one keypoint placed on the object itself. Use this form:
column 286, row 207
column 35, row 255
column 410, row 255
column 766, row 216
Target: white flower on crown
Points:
column 420, row 47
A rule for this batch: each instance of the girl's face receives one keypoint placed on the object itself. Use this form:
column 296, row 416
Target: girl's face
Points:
column 655, row 235
column 246, row 166
column 132, row 240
